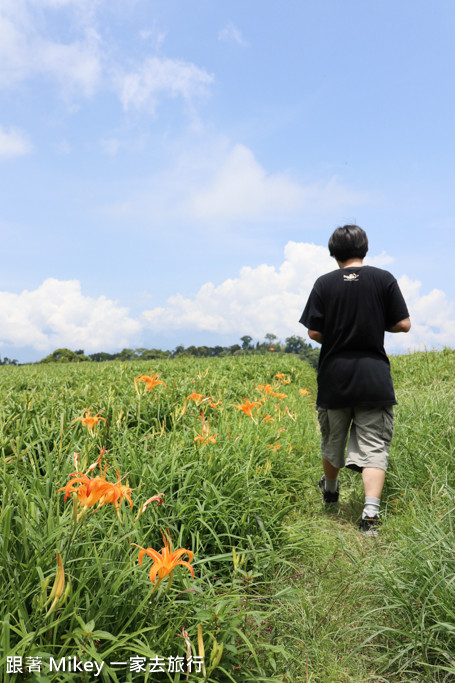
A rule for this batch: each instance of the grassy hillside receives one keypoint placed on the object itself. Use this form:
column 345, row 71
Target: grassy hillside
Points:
column 282, row 589
column 384, row 609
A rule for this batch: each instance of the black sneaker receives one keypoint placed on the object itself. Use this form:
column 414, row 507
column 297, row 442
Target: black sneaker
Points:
column 369, row 526
column 328, row 497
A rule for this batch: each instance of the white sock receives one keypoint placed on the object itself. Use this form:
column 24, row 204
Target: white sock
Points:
column 331, row 485
column 371, row 508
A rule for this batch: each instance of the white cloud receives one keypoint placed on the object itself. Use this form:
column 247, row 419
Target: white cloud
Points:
column 432, row 318
column 381, row 260
column 76, row 66
column 268, row 299
column 26, row 52
column 219, row 184
column 14, row 49
column 260, row 300
column 57, row 4
column 81, row 66
column 242, row 190
column 57, row 314
column 231, row 33
column 84, row 64
column 14, row 143
column 154, row 37
column 160, row 76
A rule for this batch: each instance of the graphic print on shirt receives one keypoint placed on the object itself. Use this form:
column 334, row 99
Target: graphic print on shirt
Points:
column 352, row 277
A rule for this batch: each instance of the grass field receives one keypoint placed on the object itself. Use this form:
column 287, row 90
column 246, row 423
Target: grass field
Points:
column 282, row 589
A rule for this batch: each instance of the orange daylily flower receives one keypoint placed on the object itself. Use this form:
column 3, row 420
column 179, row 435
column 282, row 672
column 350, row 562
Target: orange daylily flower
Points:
column 265, row 387
column 97, row 490
column 116, row 493
column 165, row 561
column 304, row 392
column 274, row 448
column 89, row 491
column 268, row 418
column 205, row 439
column 279, row 375
column 150, row 381
column 269, row 390
column 274, row 393
column 247, row 406
column 197, row 398
column 90, row 421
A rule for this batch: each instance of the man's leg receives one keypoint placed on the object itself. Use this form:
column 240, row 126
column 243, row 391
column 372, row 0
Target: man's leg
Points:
column 331, row 475
column 373, row 482
column 369, row 449
column 334, row 426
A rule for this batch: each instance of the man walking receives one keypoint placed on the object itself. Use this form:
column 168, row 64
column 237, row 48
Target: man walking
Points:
column 348, row 311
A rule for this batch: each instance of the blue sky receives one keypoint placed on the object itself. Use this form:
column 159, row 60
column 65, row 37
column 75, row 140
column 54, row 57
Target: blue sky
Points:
column 170, row 171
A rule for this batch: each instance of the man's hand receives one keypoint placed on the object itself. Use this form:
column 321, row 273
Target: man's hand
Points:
column 402, row 326
column 315, row 336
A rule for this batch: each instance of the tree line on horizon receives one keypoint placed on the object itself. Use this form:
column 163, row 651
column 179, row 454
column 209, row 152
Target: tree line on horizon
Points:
column 271, row 344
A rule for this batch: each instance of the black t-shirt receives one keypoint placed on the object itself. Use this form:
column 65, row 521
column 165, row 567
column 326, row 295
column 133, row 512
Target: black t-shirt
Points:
column 352, row 308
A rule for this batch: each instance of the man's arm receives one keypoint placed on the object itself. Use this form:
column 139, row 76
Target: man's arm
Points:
column 402, row 326
column 315, row 336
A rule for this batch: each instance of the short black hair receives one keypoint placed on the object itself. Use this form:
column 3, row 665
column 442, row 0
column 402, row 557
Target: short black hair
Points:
column 348, row 241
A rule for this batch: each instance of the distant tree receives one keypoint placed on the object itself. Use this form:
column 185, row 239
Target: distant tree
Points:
column 272, row 342
column 126, row 354
column 294, row 344
column 9, row 361
column 177, row 351
column 151, row 354
column 235, row 347
column 299, row 346
column 246, row 342
column 102, row 356
column 64, row 356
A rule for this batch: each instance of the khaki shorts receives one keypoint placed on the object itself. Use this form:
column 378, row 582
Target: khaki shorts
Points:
column 370, row 432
